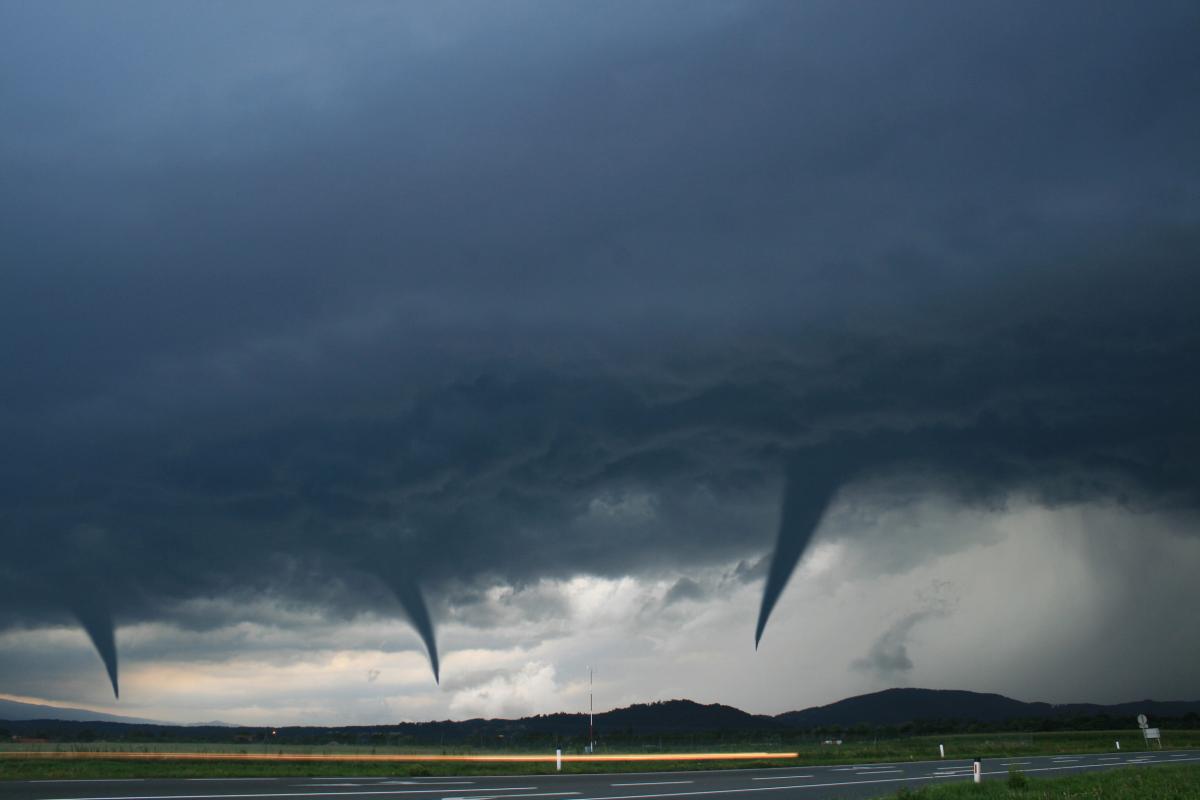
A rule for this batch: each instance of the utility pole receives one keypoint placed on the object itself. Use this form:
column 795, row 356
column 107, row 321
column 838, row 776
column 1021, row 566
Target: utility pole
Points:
column 591, row 716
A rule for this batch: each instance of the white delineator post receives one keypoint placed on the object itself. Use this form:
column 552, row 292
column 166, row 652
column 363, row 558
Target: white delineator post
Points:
column 942, row 750
column 1118, row 745
column 978, row 771
column 558, row 759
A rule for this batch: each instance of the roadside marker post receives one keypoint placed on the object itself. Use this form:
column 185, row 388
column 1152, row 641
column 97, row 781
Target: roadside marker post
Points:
column 1118, row 745
column 979, row 770
column 942, row 750
column 558, row 759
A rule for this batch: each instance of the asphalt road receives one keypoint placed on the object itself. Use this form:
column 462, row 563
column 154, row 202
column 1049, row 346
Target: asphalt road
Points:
column 810, row 783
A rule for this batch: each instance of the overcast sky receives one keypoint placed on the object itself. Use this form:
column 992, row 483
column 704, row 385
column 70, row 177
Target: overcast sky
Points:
column 343, row 344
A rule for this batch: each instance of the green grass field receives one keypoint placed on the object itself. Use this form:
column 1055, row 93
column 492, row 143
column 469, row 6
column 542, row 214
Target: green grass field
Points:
column 11, row 769
column 1131, row 783
column 15, row 767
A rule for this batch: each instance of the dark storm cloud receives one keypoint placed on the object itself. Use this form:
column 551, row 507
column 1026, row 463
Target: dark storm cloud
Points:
column 340, row 307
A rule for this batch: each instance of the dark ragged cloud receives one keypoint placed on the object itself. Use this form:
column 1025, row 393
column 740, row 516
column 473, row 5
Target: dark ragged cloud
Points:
column 352, row 308
column 888, row 658
column 683, row 590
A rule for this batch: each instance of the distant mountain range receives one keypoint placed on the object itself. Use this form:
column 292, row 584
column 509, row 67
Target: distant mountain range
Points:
column 11, row 710
column 898, row 706
column 892, row 707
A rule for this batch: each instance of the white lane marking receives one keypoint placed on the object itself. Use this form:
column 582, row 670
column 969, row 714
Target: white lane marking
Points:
column 740, row 791
column 748, row 789
column 94, row 780
column 1087, row 766
column 782, row 778
column 287, row 794
column 878, row 772
column 236, row 779
column 498, row 796
column 424, row 783
column 651, row 783
column 1010, row 763
column 1066, row 766
column 722, row 770
column 327, row 785
column 1109, row 758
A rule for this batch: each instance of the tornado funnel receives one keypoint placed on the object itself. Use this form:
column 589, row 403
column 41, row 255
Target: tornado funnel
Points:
column 413, row 602
column 806, row 496
column 97, row 622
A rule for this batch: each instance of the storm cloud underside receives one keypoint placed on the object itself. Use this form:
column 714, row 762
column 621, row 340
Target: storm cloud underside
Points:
column 455, row 299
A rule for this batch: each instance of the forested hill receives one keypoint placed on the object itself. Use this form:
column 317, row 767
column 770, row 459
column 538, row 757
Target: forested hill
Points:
column 900, row 706
column 895, row 711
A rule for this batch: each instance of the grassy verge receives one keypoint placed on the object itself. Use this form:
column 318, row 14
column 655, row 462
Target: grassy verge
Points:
column 28, row 769
column 1131, row 783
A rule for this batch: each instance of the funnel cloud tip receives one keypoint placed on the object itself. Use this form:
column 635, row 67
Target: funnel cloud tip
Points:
column 97, row 623
column 806, row 497
column 413, row 602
